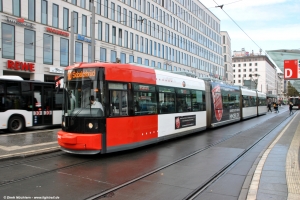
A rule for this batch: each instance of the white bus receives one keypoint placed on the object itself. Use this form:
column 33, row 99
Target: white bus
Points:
column 29, row 103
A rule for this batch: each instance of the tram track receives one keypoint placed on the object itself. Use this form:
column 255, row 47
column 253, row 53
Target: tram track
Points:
column 192, row 195
column 110, row 192
column 7, row 182
column 29, row 160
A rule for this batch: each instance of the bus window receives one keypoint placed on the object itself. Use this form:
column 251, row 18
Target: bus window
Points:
column 13, row 97
column 2, row 100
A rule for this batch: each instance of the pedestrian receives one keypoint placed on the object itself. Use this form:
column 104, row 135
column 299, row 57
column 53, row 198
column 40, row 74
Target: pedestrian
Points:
column 291, row 107
column 275, row 105
column 269, row 106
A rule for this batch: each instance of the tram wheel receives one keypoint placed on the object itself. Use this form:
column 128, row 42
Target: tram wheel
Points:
column 15, row 124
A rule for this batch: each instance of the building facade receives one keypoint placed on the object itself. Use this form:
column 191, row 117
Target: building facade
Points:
column 256, row 69
column 279, row 56
column 226, row 45
column 175, row 35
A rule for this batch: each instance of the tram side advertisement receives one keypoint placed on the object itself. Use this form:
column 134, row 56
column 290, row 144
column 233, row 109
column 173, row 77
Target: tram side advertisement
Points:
column 225, row 103
column 185, row 121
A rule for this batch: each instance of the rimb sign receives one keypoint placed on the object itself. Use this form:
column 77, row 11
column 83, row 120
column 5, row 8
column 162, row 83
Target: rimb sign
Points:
column 291, row 69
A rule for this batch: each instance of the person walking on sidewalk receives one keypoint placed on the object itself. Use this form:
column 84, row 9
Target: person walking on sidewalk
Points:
column 291, row 108
column 275, row 105
column 269, row 107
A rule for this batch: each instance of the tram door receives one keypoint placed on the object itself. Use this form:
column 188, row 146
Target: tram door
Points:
column 42, row 98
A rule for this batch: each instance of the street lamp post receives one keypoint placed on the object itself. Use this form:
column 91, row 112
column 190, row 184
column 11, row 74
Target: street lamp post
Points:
column 255, row 81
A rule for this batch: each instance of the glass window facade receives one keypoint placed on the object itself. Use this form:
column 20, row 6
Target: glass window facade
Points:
column 126, row 39
column 44, row 12
column 106, row 8
column 16, row 6
column 119, row 14
column 55, row 12
column 8, row 41
column 131, row 40
column 113, row 35
column 82, row 3
column 120, row 37
column 124, row 16
column 98, row 7
column 113, row 56
column 123, row 58
column 48, row 49
column 112, row 17
column 139, row 60
column 31, row 9
column 66, row 19
column 99, row 30
column 64, row 52
column 106, row 32
column 102, row 55
column 84, row 25
column 131, row 58
column 78, row 51
column 75, row 22
column 89, row 53
column 29, row 45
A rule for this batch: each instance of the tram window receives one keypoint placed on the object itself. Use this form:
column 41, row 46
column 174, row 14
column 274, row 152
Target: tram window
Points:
column 145, row 103
column 245, row 101
column 144, row 99
column 118, row 103
column 252, row 101
column 198, row 100
column 262, row 102
column 166, row 103
column 183, row 100
column 231, row 100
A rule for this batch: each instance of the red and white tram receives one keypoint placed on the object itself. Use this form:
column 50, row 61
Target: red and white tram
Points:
column 138, row 106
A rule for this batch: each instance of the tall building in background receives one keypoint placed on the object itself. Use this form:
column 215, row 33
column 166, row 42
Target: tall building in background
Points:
column 256, row 71
column 180, row 35
column 226, row 43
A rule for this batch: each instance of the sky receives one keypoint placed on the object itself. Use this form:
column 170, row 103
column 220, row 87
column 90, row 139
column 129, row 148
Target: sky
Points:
column 270, row 24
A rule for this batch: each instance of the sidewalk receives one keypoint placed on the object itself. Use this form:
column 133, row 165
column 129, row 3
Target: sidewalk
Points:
column 277, row 174
column 28, row 143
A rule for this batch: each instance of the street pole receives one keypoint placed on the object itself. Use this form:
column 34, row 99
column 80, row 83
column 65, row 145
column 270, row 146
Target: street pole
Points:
column 72, row 39
column 93, row 31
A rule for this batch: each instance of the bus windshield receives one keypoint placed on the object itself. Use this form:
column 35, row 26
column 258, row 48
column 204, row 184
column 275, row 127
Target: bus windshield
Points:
column 84, row 93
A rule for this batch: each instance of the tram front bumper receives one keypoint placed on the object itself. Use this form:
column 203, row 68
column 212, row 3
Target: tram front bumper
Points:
column 76, row 141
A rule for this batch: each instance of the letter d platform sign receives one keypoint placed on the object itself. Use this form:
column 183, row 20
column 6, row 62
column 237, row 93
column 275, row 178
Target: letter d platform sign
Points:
column 292, row 69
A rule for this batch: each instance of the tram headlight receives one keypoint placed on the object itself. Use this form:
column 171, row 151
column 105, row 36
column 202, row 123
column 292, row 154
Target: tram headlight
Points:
column 90, row 125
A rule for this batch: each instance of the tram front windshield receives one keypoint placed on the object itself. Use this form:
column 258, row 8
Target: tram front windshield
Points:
column 84, row 93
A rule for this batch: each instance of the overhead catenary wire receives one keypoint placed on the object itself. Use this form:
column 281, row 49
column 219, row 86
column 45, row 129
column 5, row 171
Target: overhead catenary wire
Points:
column 238, row 25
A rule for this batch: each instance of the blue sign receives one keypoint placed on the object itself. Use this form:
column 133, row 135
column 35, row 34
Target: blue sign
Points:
column 82, row 38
